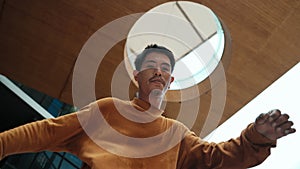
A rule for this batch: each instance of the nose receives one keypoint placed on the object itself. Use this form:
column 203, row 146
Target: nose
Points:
column 157, row 72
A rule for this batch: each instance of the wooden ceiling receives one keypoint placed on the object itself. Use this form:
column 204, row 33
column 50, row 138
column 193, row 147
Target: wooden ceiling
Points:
column 40, row 42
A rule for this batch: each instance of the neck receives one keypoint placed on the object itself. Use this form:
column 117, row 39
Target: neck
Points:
column 154, row 100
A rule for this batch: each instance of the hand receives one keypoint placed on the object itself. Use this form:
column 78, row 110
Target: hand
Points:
column 274, row 125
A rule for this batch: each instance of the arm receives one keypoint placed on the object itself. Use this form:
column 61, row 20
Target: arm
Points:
column 49, row 134
column 250, row 149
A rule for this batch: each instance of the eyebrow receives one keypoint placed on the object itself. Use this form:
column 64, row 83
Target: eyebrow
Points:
column 152, row 61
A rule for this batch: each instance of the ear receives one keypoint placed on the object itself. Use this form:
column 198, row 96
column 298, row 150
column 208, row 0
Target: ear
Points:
column 135, row 73
column 171, row 80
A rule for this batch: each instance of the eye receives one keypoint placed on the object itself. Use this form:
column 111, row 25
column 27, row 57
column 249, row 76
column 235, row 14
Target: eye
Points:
column 166, row 69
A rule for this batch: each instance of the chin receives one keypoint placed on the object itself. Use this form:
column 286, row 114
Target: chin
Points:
column 156, row 92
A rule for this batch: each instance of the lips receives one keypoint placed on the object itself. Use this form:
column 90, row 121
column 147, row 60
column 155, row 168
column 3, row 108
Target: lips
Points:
column 157, row 80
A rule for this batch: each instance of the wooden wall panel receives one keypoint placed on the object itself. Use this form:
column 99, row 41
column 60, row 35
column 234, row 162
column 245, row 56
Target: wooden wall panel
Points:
column 40, row 42
column 2, row 2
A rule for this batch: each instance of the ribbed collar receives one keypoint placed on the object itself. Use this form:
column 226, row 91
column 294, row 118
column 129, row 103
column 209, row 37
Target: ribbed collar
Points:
column 141, row 103
column 144, row 106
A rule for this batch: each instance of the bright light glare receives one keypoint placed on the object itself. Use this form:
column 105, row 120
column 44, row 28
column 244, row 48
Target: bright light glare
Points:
column 283, row 94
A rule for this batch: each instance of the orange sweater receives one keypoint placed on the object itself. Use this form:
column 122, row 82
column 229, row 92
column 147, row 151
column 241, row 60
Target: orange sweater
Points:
column 127, row 144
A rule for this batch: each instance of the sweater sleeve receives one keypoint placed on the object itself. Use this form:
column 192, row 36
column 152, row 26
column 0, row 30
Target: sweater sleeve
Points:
column 248, row 150
column 55, row 134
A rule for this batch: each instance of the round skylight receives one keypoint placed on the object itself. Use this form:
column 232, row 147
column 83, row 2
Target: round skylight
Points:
column 190, row 30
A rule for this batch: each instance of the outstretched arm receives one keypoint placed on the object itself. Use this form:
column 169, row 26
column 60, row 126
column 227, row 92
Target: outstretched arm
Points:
column 48, row 134
column 250, row 149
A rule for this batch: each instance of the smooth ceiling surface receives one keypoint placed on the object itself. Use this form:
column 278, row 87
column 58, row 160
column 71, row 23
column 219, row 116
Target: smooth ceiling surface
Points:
column 41, row 40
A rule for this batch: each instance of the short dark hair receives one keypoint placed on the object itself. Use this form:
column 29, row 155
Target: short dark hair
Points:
column 153, row 48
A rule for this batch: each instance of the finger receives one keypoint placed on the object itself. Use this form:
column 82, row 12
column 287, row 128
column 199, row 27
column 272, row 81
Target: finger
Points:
column 274, row 114
column 262, row 118
column 281, row 120
column 289, row 131
column 285, row 129
column 285, row 126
